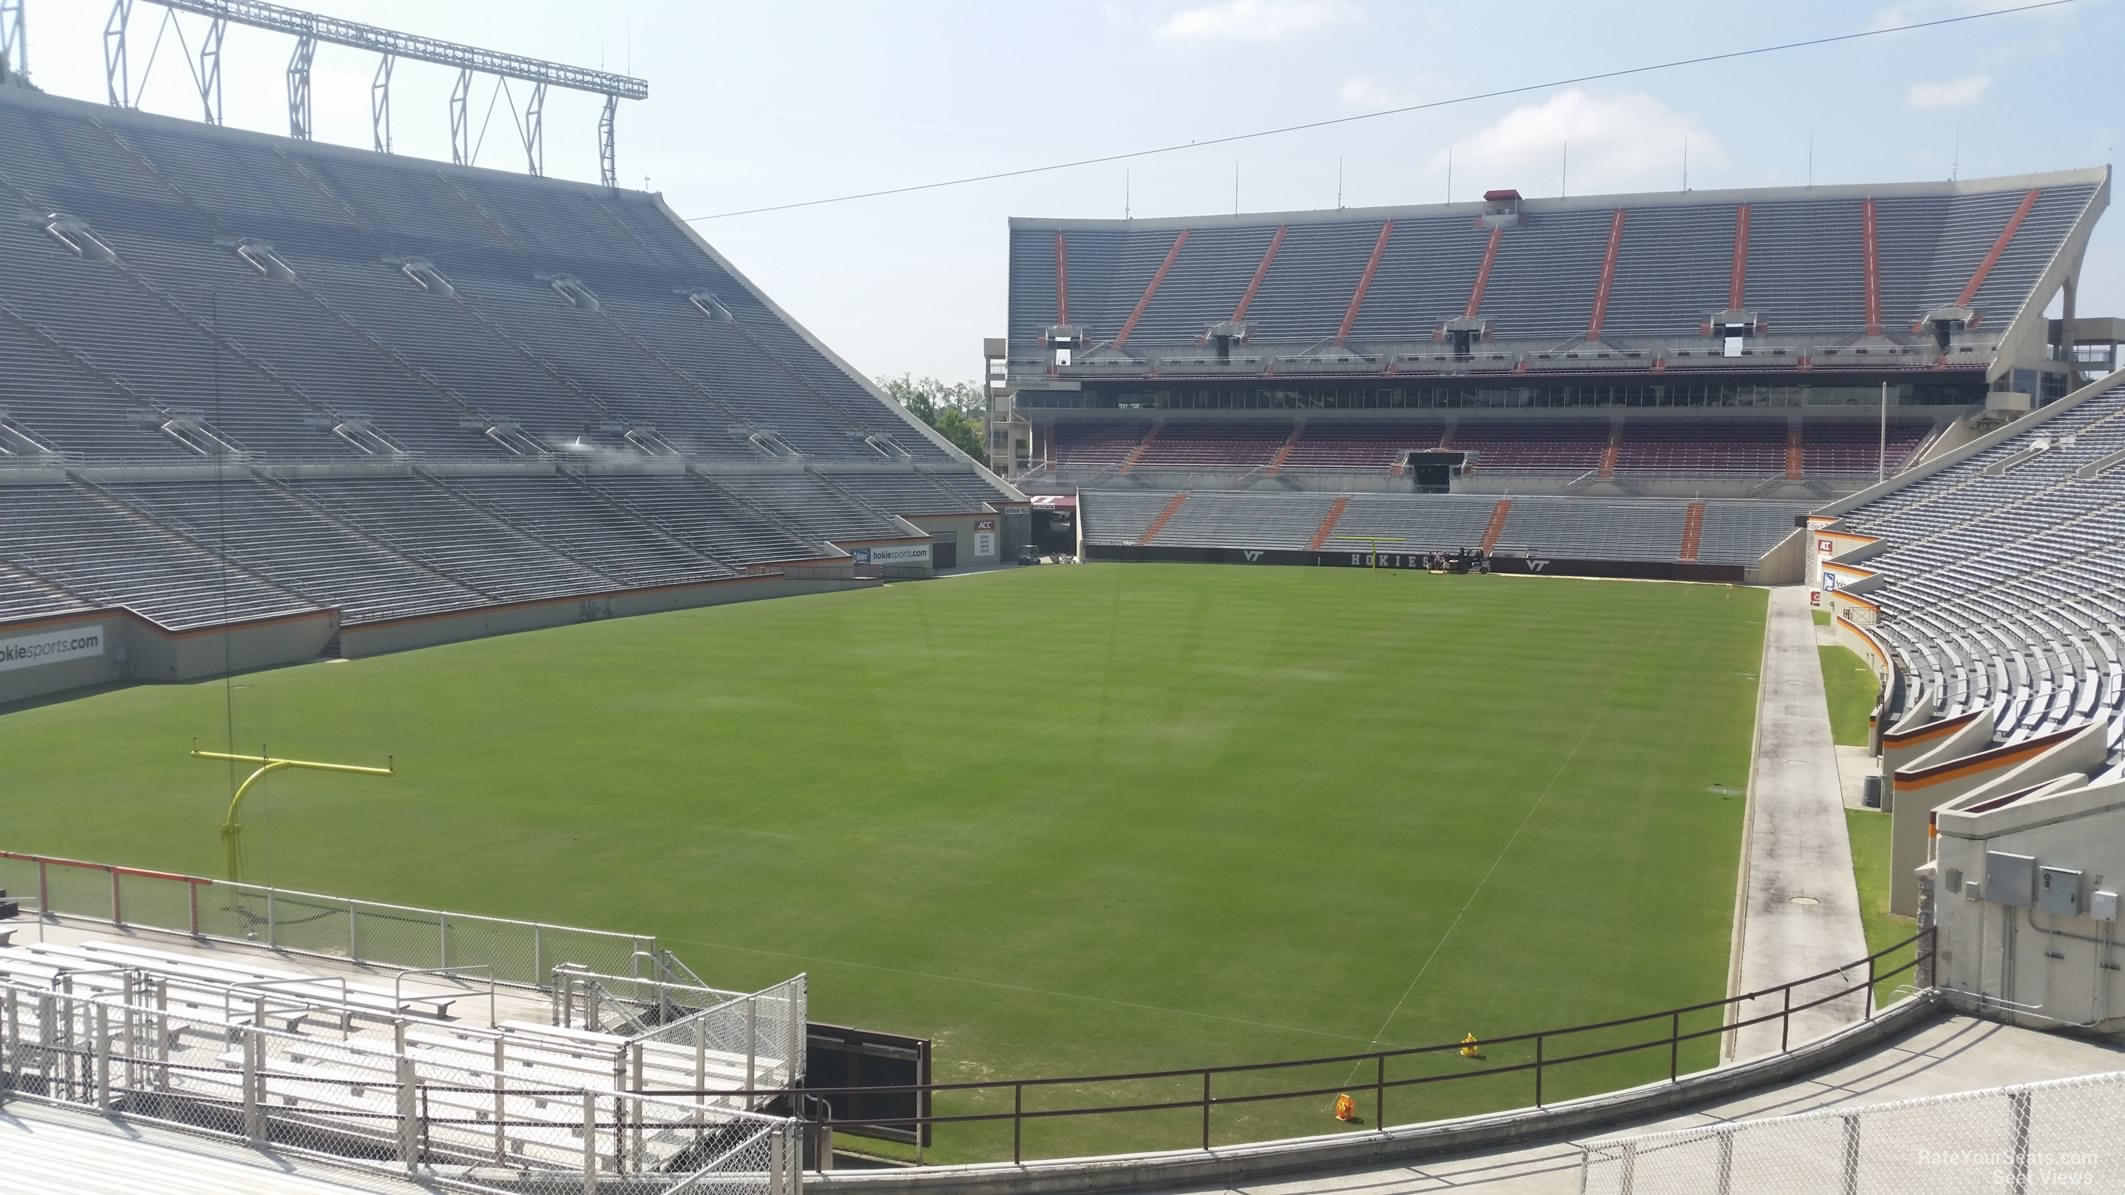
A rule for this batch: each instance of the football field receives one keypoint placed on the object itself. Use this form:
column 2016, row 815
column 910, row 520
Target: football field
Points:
column 1062, row 820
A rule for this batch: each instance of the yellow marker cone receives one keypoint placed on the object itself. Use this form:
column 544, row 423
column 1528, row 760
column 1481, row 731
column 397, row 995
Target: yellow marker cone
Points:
column 1469, row 1049
column 1346, row 1108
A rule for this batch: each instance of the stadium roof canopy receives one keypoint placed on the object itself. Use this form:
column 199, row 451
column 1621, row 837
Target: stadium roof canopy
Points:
column 1910, row 276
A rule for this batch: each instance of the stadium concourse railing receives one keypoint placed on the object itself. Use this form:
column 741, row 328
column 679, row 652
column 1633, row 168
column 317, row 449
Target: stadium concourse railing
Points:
column 336, row 927
column 1195, row 1094
column 2058, row 1135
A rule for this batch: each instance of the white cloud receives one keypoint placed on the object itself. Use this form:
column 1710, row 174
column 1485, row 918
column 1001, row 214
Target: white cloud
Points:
column 1618, row 141
column 1365, row 93
column 1949, row 93
column 1258, row 20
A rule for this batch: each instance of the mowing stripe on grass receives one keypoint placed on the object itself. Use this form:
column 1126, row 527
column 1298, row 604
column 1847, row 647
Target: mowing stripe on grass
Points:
column 1012, row 987
column 1540, row 797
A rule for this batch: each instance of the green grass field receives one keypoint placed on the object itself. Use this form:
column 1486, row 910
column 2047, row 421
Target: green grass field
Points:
column 1869, row 831
column 1063, row 820
column 1851, row 689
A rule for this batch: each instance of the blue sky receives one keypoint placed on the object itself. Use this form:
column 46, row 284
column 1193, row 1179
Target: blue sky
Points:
column 763, row 103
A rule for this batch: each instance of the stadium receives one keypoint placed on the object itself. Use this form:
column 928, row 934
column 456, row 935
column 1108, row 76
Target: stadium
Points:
column 1618, row 692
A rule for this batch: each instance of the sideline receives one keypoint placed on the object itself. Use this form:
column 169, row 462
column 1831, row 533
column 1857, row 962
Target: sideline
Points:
column 1797, row 901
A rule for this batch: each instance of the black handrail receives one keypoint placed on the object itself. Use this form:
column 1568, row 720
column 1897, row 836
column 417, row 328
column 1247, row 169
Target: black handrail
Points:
column 1672, row 1039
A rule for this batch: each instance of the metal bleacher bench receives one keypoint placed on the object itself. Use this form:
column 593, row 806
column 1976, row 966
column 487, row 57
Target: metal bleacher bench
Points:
column 295, row 984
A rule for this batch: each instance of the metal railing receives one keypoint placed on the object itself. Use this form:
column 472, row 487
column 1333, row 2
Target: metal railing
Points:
column 757, row 1036
column 1194, row 1094
column 454, row 1123
column 338, row 927
column 2063, row 1134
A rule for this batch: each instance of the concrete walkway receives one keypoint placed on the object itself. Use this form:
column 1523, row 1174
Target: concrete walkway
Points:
column 1939, row 1057
column 1799, row 912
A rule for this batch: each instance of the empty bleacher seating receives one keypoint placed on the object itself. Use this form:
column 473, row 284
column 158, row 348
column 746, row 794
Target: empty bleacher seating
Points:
column 326, row 353
column 1674, row 268
column 1350, row 445
column 109, row 555
column 1552, row 446
column 1097, row 445
column 1593, row 529
column 1735, row 532
column 1855, row 449
column 1239, row 520
column 2003, row 577
column 1214, row 446
column 1703, row 448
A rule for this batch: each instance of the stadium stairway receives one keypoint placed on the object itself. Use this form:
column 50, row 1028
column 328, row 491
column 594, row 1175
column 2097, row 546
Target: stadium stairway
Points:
column 1498, row 515
column 1142, row 446
column 1328, row 524
column 1692, row 533
column 1164, row 516
column 1276, row 464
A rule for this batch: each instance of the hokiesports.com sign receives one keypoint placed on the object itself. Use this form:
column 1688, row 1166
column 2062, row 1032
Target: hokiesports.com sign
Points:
column 893, row 554
column 28, row 651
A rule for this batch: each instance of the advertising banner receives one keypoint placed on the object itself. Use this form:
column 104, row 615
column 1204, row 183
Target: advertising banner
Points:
column 51, row 647
column 893, row 554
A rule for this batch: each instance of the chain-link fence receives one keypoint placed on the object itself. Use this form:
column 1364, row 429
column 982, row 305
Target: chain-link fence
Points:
column 411, row 1099
column 689, row 1038
column 303, row 922
column 2063, row 1135
column 626, row 1004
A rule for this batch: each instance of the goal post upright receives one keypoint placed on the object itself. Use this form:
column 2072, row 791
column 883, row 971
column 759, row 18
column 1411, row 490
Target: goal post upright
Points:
column 232, row 828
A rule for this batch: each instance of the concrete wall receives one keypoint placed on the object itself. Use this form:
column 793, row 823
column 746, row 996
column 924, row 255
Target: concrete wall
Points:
column 79, row 671
column 2047, row 969
column 134, row 649
column 965, row 532
column 430, row 630
column 1862, row 643
column 1786, row 564
column 1960, row 766
column 137, row 650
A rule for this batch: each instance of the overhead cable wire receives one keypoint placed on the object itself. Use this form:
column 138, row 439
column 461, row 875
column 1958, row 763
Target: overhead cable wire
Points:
column 1428, row 105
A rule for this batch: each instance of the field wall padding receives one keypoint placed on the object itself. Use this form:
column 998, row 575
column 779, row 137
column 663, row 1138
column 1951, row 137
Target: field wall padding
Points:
column 1640, row 570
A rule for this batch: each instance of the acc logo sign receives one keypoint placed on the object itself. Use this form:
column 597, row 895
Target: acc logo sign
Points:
column 1826, row 547
column 1253, row 555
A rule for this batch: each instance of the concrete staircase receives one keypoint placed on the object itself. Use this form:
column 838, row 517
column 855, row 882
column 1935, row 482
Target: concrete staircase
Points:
column 1328, row 524
column 1165, row 516
column 1498, row 515
column 1692, row 532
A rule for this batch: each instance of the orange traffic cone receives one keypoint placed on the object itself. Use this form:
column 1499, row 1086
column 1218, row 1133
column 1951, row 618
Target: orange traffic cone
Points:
column 1346, row 1108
